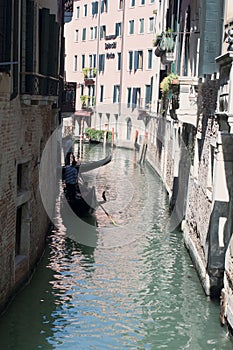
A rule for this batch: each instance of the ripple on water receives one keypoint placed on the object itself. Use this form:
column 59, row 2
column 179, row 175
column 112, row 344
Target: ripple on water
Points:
column 136, row 290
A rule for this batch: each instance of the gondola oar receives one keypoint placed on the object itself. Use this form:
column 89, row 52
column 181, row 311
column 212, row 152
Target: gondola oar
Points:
column 108, row 215
column 105, row 211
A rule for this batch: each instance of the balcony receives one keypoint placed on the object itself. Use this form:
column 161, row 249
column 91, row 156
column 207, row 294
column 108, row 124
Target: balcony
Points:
column 165, row 46
column 68, row 97
column 36, row 88
column 88, row 102
column 38, row 84
column 89, row 73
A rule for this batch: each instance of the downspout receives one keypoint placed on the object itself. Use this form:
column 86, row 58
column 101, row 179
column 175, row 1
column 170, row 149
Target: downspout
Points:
column 122, row 60
column 97, row 63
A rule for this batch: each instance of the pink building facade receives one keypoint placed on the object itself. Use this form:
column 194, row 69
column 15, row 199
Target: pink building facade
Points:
column 109, row 53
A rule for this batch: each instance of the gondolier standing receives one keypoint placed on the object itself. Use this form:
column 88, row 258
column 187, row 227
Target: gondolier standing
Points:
column 71, row 175
column 68, row 149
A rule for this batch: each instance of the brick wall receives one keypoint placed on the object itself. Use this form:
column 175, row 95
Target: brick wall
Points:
column 24, row 132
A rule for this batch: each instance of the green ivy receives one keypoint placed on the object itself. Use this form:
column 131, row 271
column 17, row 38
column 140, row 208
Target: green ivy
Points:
column 97, row 134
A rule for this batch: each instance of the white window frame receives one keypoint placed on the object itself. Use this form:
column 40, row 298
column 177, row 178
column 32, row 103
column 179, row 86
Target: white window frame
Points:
column 77, row 11
column 151, row 24
column 75, row 63
column 141, row 27
column 76, row 35
column 131, row 23
column 85, row 10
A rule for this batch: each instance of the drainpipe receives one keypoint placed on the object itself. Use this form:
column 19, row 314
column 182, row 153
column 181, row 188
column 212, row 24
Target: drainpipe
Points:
column 122, row 54
column 97, row 62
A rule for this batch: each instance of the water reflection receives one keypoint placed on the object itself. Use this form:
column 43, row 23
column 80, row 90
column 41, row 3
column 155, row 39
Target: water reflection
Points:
column 136, row 289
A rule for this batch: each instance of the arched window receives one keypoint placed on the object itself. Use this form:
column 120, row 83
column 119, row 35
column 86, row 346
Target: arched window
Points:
column 129, row 128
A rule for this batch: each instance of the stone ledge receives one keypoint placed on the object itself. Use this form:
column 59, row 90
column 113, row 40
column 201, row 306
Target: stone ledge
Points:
column 198, row 263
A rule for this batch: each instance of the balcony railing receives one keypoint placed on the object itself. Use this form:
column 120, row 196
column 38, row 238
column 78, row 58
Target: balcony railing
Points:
column 68, row 97
column 165, row 45
column 89, row 73
column 38, row 84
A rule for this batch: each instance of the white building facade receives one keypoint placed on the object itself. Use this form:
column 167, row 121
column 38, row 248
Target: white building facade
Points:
column 109, row 53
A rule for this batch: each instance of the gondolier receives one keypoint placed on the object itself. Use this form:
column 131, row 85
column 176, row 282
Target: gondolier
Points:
column 71, row 175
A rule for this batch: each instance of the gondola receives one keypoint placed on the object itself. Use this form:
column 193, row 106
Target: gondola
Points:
column 85, row 201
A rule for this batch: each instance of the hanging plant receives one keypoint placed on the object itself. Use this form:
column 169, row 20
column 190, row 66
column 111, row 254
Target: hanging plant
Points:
column 169, row 92
column 84, row 100
column 86, row 72
column 166, row 83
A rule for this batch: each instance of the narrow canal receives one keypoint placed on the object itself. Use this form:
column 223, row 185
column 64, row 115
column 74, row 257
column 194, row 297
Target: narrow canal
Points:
column 135, row 288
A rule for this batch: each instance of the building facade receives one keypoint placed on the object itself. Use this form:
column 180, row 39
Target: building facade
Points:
column 190, row 138
column 31, row 54
column 109, row 53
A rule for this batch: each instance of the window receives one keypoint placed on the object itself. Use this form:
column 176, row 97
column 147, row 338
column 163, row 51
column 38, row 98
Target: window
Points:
column 101, row 93
column 138, row 60
column 85, row 10
column 131, row 26
column 132, row 3
column 84, row 34
column 129, row 129
column 120, row 4
column 75, row 63
column 100, row 117
column 94, row 8
column 119, row 61
column 130, row 60
column 136, row 97
column 77, row 12
column 142, row 2
column 94, row 60
column 95, row 32
column 141, row 25
column 151, row 24
column 76, row 35
column 18, row 230
column 22, row 231
column 118, row 29
column 83, row 61
column 104, row 6
column 91, row 33
column 148, row 96
column 101, row 62
column 102, row 32
column 116, row 93
column 149, row 66
column 129, row 97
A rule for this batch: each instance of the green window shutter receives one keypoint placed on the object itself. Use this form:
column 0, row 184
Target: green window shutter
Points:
column 29, row 35
column 44, row 41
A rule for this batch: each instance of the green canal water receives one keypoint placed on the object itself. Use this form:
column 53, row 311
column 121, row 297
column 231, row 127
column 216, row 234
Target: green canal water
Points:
column 135, row 288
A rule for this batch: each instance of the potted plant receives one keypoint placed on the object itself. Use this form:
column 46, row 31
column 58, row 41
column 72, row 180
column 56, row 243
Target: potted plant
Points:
column 167, row 82
column 86, row 72
column 94, row 71
column 169, row 87
column 84, row 100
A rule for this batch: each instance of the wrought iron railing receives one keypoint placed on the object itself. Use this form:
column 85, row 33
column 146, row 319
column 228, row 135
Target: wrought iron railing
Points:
column 38, row 84
column 68, row 97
